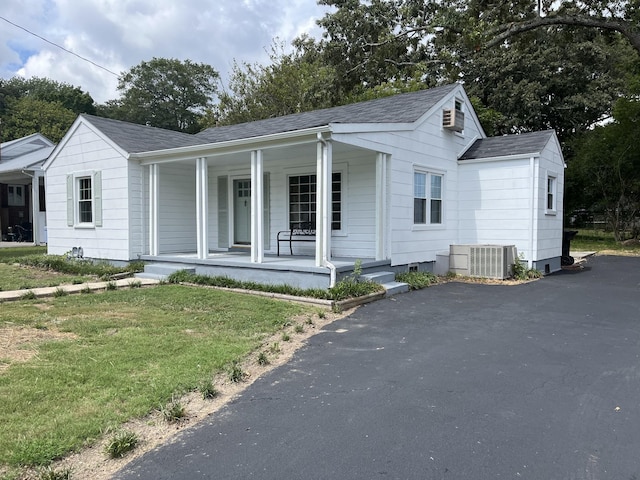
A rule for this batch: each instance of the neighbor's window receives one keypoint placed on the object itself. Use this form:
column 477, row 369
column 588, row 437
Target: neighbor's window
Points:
column 302, row 200
column 551, row 193
column 427, row 198
column 15, row 195
column 85, row 200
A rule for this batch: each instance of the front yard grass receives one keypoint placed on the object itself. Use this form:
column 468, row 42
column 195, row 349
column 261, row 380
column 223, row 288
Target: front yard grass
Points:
column 30, row 267
column 95, row 361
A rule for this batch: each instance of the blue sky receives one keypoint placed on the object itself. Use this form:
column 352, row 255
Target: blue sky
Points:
column 118, row 34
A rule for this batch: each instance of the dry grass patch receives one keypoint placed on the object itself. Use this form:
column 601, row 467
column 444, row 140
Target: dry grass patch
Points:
column 19, row 344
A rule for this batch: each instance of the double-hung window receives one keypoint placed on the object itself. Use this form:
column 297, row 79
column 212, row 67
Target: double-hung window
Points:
column 302, row 200
column 427, row 198
column 551, row 194
column 84, row 200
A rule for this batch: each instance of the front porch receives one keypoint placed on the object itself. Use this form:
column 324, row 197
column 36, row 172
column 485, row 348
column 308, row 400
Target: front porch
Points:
column 297, row 271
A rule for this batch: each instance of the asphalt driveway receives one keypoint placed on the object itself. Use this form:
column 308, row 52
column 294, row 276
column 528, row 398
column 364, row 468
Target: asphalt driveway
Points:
column 459, row 381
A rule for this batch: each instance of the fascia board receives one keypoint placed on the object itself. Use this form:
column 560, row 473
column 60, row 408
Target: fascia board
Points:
column 520, row 156
column 346, row 128
column 295, row 137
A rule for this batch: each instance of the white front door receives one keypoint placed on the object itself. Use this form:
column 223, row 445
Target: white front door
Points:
column 242, row 212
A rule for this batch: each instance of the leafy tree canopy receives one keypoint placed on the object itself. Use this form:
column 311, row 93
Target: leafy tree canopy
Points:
column 165, row 93
column 40, row 105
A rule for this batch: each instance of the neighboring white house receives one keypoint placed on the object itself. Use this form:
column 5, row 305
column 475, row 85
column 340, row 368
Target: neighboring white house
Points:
column 22, row 199
column 392, row 182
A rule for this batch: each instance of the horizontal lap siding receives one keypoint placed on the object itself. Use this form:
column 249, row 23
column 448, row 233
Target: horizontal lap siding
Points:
column 431, row 149
column 550, row 226
column 495, row 203
column 177, row 208
column 86, row 152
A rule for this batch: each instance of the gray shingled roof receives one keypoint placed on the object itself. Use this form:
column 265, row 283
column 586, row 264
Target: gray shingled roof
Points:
column 402, row 108
column 506, row 145
column 134, row 138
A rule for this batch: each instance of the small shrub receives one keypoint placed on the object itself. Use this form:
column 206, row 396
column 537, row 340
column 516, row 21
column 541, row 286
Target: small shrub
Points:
column 111, row 285
column 285, row 337
column 321, row 314
column 50, row 473
column 60, row 292
column 208, row 390
column 135, row 284
column 173, row 411
column 262, row 359
column 298, row 328
column 28, row 295
column 121, row 443
column 77, row 281
column 309, row 321
column 275, row 348
column 416, row 280
column 235, row 372
column 520, row 271
column 336, row 308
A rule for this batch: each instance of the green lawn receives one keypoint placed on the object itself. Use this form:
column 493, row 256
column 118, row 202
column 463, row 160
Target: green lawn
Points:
column 125, row 353
column 599, row 240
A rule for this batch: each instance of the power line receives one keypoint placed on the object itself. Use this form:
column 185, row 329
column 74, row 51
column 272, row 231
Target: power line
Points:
column 60, row 47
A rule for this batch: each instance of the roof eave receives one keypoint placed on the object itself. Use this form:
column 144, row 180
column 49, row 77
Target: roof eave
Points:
column 230, row 146
column 517, row 156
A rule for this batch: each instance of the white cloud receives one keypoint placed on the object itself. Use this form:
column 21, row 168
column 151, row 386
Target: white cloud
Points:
column 118, row 34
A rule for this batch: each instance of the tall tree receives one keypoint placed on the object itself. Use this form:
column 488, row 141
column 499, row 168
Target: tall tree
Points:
column 165, row 93
column 40, row 105
column 605, row 172
column 290, row 83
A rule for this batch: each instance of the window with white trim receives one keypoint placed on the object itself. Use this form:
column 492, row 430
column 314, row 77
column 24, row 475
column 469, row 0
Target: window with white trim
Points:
column 551, row 193
column 427, row 198
column 302, row 200
column 84, row 199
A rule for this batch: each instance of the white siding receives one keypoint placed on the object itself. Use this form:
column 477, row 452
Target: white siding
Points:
column 85, row 152
column 429, row 147
column 177, row 208
column 550, row 224
column 496, row 203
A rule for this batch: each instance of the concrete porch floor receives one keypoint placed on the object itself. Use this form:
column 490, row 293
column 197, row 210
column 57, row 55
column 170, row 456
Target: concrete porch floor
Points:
column 297, row 271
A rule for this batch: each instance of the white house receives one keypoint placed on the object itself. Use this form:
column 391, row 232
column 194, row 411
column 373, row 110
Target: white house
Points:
column 22, row 199
column 392, row 182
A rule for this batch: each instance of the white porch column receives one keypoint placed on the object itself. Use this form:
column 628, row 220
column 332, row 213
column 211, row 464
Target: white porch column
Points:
column 257, row 207
column 154, row 182
column 323, row 201
column 202, row 208
column 381, row 205
column 35, row 207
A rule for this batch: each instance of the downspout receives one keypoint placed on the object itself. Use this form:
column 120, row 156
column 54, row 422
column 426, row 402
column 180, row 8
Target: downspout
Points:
column 325, row 261
column 532, row 166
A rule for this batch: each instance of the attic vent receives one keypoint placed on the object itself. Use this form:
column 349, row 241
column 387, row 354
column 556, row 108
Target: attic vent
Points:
column 489, row 261
column 453, row 119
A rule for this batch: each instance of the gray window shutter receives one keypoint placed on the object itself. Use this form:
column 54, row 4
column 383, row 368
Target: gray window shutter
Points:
column 266, row 225
column 97, row 198
column 70, row 205
column 223, row 212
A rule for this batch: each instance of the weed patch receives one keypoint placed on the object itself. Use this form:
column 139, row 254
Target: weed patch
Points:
column 121, row 443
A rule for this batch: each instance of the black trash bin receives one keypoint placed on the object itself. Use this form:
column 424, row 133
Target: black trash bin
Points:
column 567, row 236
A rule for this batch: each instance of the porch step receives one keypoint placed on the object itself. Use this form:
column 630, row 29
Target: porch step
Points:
column 387, row 280
column 160, row 271
column 379, row 277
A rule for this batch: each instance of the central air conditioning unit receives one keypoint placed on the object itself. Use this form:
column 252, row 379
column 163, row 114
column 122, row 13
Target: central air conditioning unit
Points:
column 453, row 119
column 488, row 261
